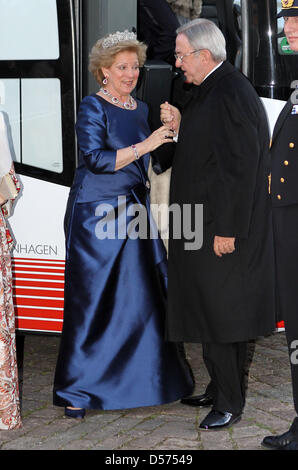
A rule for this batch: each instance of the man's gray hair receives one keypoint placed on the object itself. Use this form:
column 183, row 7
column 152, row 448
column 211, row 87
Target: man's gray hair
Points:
column 204, row 34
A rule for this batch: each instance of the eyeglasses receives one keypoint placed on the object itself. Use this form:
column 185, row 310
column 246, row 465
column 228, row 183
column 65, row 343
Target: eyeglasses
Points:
column 181, row 57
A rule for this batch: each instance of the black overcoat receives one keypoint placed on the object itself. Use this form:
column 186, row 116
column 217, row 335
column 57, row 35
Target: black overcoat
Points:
column 221, row 160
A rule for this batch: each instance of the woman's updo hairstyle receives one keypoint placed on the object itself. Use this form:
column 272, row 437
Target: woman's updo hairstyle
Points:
column 104, row 51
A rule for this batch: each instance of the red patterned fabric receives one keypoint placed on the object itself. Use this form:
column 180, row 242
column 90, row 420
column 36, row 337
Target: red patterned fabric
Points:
column 10, row 416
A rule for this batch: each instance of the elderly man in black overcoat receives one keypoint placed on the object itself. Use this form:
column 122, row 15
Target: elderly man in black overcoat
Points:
column 222, row 293
column 284, row 193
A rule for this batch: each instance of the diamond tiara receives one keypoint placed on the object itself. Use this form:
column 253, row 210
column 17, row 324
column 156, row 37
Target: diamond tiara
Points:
column 114, row 38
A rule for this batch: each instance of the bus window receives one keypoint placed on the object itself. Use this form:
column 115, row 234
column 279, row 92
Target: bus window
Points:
column 11, row 111
column 22, row 36
column 32, row 108
column 38, row 86
column 41, row 124
column 283, row 45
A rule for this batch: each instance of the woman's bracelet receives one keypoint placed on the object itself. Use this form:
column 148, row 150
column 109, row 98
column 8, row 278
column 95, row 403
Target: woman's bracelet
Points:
column 135, row 151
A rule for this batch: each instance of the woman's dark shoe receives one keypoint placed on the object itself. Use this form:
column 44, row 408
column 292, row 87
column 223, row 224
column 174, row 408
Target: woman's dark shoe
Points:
column 71, row 413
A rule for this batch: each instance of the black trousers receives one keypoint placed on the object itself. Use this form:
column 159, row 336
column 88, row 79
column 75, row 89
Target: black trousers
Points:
column 227, row 366
column 285, row 230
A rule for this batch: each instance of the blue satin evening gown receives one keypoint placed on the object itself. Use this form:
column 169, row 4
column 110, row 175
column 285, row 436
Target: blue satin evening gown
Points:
column 113, row 354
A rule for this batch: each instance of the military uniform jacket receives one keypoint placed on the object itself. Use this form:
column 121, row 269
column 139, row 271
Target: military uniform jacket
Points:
column 284, row 155
column 222, row 161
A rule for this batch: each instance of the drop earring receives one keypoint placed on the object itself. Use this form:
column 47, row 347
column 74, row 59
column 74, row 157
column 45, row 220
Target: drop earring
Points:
column 105, row 81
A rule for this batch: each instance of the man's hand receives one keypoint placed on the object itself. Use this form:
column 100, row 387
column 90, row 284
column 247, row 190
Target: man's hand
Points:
column 223, row 245
column 170, row 116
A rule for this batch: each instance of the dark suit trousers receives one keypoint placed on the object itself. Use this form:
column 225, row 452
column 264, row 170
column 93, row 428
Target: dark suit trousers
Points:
column 285, row 230
column 226, row 365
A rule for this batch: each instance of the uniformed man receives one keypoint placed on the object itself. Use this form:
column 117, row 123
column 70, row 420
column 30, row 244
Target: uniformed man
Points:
column 284, row 192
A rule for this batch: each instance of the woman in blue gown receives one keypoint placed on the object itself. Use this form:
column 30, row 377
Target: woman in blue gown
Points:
column 113, row 354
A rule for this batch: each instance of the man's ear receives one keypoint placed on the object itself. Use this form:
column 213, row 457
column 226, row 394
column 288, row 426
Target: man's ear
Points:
column 206, row 56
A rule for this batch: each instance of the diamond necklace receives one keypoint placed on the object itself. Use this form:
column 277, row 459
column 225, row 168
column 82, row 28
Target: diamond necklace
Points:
column 130, row 104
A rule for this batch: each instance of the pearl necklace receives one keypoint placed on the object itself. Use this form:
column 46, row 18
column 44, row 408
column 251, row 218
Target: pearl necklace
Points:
column 130, row 104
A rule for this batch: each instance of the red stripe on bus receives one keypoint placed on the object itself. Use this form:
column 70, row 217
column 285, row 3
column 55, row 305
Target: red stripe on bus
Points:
column 52, row 303
column 41, row 270
column 23, row 283
column 35, row 312
column 19, row 264
column 18, row 291
column 38, row 259
column 38, row 276
column 48, row 326
column 42, row 314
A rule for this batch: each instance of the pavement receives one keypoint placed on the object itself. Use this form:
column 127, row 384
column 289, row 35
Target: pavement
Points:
column 269, row 409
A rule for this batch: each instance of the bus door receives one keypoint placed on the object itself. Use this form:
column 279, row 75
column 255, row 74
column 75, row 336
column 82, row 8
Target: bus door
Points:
column 38, row 89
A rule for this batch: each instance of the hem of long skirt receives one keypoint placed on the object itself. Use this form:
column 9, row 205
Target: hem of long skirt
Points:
column 64, row 403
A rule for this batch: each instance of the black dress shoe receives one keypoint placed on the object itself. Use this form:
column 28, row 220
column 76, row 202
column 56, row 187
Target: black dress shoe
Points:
column 219, row 419
column 198, row 400
column 77, row 414
column 286, row 441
